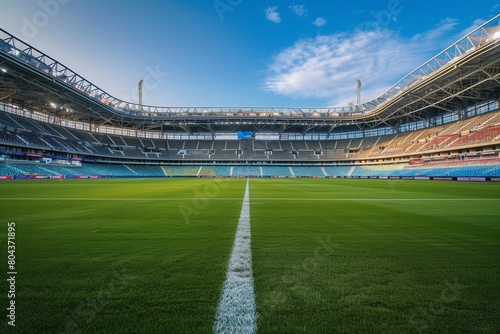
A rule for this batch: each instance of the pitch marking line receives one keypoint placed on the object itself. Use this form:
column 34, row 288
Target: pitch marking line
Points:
column 156, row 199
column 117, row 199
column 236, row 312
column 373, row 199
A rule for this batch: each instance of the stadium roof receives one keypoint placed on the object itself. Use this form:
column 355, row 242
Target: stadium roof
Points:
column 465, row 73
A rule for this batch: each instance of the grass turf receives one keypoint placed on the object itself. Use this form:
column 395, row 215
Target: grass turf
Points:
column 120, row 266
column 346, row 256
column 363, row 259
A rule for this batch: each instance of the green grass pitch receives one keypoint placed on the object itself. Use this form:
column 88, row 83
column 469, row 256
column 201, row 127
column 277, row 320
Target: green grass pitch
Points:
column 329, row 255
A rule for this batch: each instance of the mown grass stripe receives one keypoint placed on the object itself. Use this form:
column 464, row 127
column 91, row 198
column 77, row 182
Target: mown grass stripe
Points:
column 236, row 312
column 128, row 199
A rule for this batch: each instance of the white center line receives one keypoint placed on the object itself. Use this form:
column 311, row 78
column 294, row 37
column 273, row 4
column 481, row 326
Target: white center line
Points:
column 236, row 312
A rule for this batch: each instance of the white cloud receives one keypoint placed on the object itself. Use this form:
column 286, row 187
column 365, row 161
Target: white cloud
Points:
column 328, row 66
column 299, row 10
column 319, row 22
column 272, row 14
column 473, row 26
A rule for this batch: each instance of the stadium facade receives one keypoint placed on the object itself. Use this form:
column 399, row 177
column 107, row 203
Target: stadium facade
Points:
column 442, row 120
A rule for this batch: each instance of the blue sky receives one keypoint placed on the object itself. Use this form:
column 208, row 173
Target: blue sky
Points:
column 269, row 53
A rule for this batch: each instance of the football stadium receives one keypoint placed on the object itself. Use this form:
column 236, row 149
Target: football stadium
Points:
column 378, row 217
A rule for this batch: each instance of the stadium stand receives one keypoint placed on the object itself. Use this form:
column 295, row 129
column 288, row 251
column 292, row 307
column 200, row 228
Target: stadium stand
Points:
column 276, row 171
column 220, row 171
column 308, row 171
column 337, row 171
column 378, row 170
column 246, row 171
column 181, row 170
column 87, row 132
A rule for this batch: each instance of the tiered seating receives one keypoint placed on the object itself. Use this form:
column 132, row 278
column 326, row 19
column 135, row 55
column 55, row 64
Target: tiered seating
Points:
column 232, row 145
column 101, row 150
column 282, row 155
column 208, row 171
column 489, row 168
column 416, row 141
column 341, row 149
column 383, row 142
column 224, row 155
column 308, row 171
column 7, row 121
column 53, row 139
column 436, row 143
column 166, row 154
column 26, row 123
column 33, row 139
column 205, row 145
column 6, row 170
column 108, row 170
column 253, row 155
column 484, row 135
column 274, row 145
column 307, row 155
column 337, row 171
column 131, row 141
column 56, row 144
column 159, row 143
column 378, row 170
column 190, row 145
column 147, row 170
column 219, row 145
column 197, row 155
column 133, row 152
column 282, row 171
column 11, row 169
column 313, row 145
column 465, row 171
column 32, row 169
column 246, row 145
column 103, row 139
column 181, row 170
column 493, row 119
column 476, row 168
column 114, row 140
column 299, row 145
column 246, row 171
column 175, row 144
column 11, row 138
column 46, row 128
column 147, row 143
column 88, row 137
column 355, row 143
column 455, row 127
column 58, row 170
column 215, row 171
column 340, row 154
column 70, row 134
column 259, row 145
column 153, row 155
column 368, row 145
column 402, row 143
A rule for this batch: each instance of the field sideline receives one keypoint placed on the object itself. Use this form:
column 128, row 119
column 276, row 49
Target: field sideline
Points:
column 329, row 255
